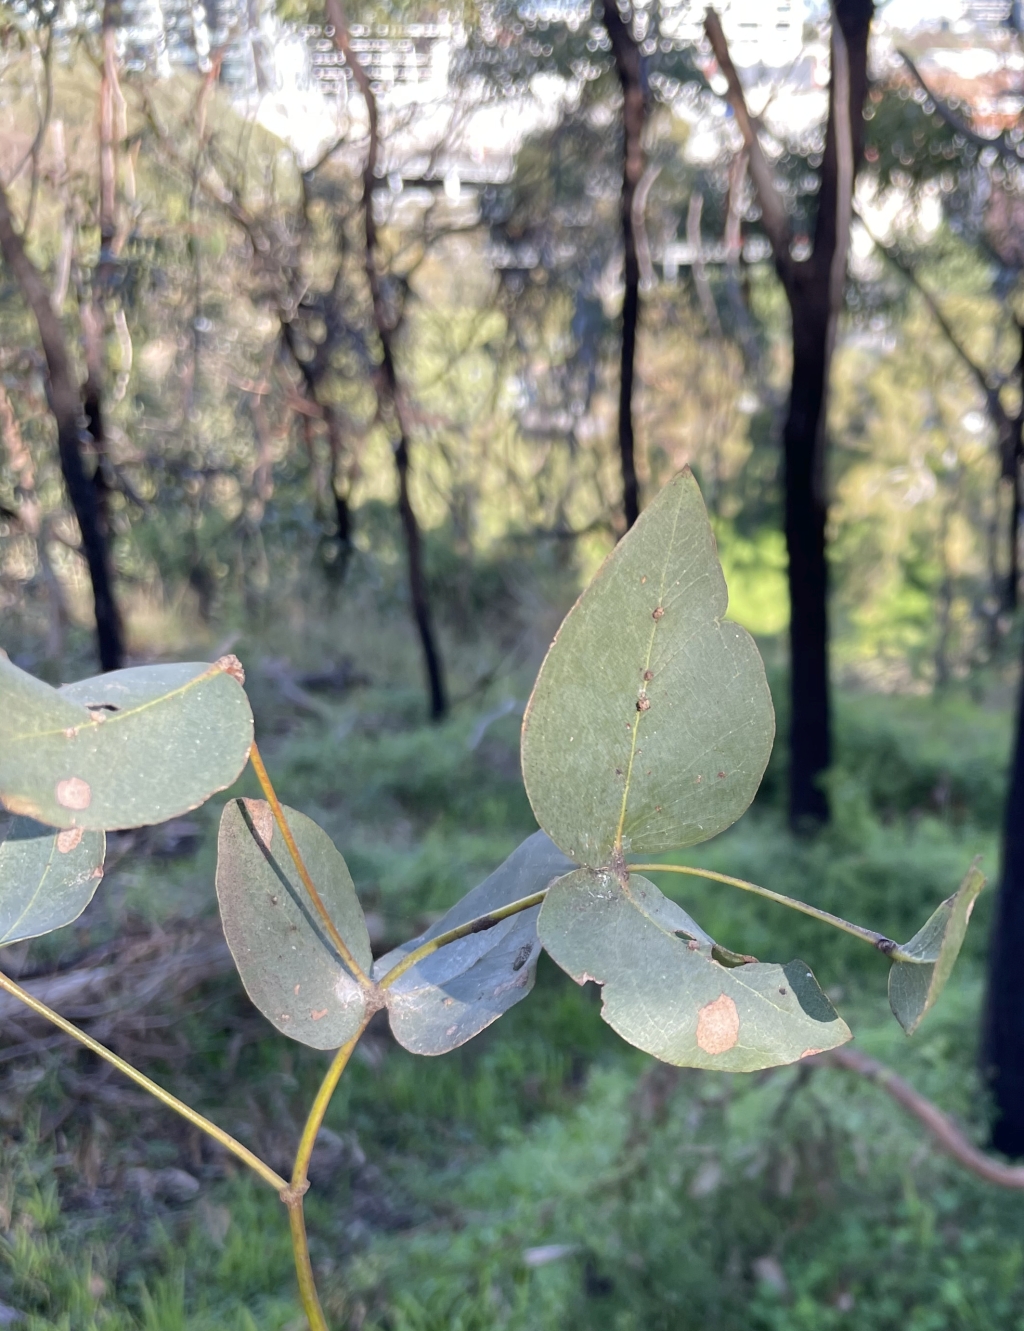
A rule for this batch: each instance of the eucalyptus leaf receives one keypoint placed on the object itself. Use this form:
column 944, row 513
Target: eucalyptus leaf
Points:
column 921, row 967
column 664, row 992
column 289, row 966
column 650, row 723
column 454, row 993
column 125, row 749
column 47, row 878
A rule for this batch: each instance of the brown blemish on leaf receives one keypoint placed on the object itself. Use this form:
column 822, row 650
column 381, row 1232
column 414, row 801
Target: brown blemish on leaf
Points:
column 658, row 613
column 74, row 793
column 71, row 732
column 317, row 1015
column 68, row 839
column 262, row 818
column 718, row 1025
column 643, row 703
column 721, row 776
column 648, row 676
column 231, row 666
column 809, row 1053
column 97, row 872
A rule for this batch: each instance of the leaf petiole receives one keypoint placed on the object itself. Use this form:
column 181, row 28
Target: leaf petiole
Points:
column 880, row 941
column 474, row 926
column 344, row 951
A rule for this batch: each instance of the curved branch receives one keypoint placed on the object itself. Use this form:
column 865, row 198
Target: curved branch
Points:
column 773, row 210
column 1007, row 427
column 946, row 1135
column 1002, row 144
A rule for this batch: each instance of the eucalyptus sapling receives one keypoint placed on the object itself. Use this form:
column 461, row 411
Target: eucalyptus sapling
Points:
column 648, row 730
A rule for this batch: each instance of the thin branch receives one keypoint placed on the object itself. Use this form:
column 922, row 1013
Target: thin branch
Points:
column 773, row 211
column 1005, row 424
column 699, row 269
column 942, row 1129
column 883, row 944
column 236, row 1148
column 1002, row 144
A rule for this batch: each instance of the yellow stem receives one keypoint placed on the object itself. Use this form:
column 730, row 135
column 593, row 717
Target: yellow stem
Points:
column 300, row 865
column 171, row 1101
column 300, row 1182
column 877, row 940
column 304, row 1269
column 474, row 926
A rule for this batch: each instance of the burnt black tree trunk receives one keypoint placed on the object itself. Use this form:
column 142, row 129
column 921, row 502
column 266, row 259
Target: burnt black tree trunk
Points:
column 1003, row 1029
column 634, row 112
column 65, row 401
column 389, row 393
column 814, row 291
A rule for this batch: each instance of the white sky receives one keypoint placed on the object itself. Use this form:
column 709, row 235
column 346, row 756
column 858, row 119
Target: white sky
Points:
column 909, row 13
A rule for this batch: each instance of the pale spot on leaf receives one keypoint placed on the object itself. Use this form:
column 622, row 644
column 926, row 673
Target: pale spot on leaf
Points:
column 74, row 793
column 318, row 1014
column 718, row 1025
column 68, row 839
column 262, row 818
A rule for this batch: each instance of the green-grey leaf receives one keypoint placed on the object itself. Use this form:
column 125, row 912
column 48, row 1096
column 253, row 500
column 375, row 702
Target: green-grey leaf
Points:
column 126, row 749
column 921, row 967
column 651, row 722
column 47, row 878
column 665, row 993
column 453, row 994
column 288, row 964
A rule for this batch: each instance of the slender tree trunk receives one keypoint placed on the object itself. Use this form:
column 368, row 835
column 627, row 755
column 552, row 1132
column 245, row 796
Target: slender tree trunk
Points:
column 94, row 312
column 634, row 112
column 389, row 390
column 325, row 411
column 1003, row 1023
column 1013, row 465
column 814, row 290
column 806, row 515
column 66, row 406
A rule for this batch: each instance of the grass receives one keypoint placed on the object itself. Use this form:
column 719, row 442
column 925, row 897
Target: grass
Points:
column 546, row 1175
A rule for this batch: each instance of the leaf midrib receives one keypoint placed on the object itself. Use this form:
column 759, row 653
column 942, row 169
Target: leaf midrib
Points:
column 114, row 717
column 647, row 664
